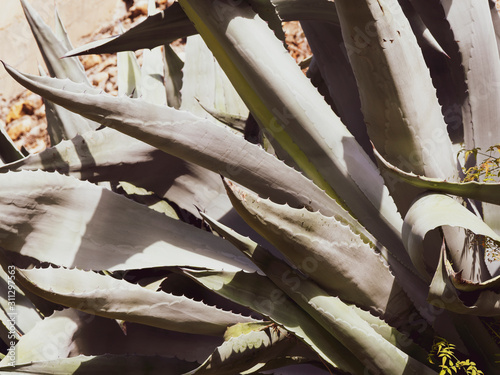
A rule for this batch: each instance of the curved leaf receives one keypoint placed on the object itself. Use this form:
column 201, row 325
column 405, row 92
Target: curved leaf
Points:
column 215, row 92
column 447, row 291
column 247, row 351
column 62, row 124
column 436, row 210
column 37, row 219
column 262, row 295
column 486, row 192
column 161, row 28
column 52, row 47
column 104, row 364
column 400, row 107
column 472, row 25
column 70, row 332
column 118, row 299
column 173, row 23
column 108, row 155
column 296, row 116
column 191, row 138
column 333, row 314
column 328, row 250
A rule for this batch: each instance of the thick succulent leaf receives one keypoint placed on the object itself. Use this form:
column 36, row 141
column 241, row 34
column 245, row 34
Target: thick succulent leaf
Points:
column 333, row 314
column 336, row 317
column 62, row 35
column 216, row 91
column 424, row 36
column 191, row 138
column 152, row 82
column 329, row 52
column 296, row 117
column 447, row 290
column 63, row 124
column 118, row 299
column 105, row 364
column 173, row 76
column 8, row 150
column 472, row 25
column 148, row 198
column 328, row 250
column 400, row 107
column 495, row 17
column 173, row 23
column 110, row 231
column 108, row 155
column 486, row 192
column 129, row 75
column 413, row 285
column 52, row 48
column 17, row 313
column 436, row 210
column 262, row 295
column 247, row 351
column 267, row 10
column 162, row 28
column 261, row 257
column 70, row 332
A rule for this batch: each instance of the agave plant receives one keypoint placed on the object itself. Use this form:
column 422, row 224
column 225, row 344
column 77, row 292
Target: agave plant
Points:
column 356, row 243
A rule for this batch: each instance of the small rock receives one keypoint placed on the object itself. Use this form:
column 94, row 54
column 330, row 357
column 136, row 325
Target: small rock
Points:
column 19, row 110
column 20, row 127
column 139, row 9
column 99, row 79
column 90, row 61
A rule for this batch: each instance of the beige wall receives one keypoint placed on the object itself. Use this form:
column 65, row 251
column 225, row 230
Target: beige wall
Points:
column 17, row 45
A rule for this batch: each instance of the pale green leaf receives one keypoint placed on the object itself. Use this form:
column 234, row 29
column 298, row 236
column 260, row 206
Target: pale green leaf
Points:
column 446, row 287
column 104, row 364
column 328, row 250
column 70, row 332
column 296, row 116
column 129, row 75
column 162, row 28
column 173, row 76
column 172, row 24
column 17, row 313
column 262, row 258
column 262, row 295
column 148, row 198
column 110, row 231
column 328, row 49
column 487, row 192
column 333, row 314
column 400, row 106
column 108, row 155
column 106, row 296
column 247, row 351
column 472, row 25
column 437, row 210
column 62, row 124
column 205, row 85
column 53, row 48
column 191, row 138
